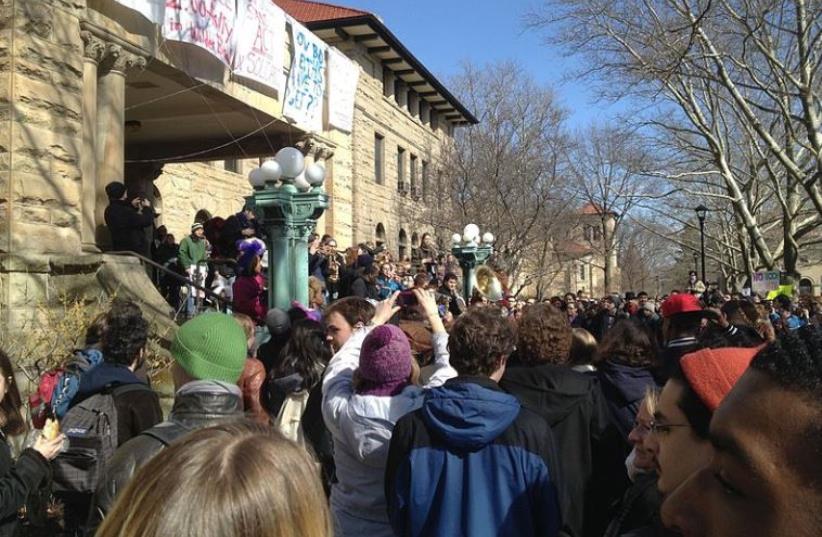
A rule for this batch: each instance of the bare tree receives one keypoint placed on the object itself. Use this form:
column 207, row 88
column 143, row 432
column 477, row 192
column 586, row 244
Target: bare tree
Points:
column 733, row 88
column 504, row 174
column 606, row 163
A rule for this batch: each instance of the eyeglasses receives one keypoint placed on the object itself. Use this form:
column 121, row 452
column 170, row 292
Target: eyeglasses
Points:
column 664, row 428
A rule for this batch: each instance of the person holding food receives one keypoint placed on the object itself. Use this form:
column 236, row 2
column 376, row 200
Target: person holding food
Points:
column 21, row 478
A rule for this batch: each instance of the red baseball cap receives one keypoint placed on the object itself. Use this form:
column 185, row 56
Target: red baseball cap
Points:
column 684, row 303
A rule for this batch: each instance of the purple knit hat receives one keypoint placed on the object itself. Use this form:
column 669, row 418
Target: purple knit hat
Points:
column 385, row 361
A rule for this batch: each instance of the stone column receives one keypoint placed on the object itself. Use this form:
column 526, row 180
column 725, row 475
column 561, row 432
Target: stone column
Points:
column 110, row 143
column 94, row 49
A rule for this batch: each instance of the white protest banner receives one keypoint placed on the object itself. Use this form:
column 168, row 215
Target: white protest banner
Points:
column 303, row 102
column 261, row 43
column 343, row 75
column 206, row 23
column 765, row 281
column 153, row 10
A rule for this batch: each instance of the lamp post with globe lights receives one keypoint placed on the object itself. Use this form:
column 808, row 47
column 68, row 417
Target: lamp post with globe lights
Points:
column 471, row 250
column 288, row 199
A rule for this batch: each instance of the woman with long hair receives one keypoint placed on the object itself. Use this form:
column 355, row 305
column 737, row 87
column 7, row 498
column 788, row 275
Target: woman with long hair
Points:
column 19, row 479
column 232, row 479
column 293, row 394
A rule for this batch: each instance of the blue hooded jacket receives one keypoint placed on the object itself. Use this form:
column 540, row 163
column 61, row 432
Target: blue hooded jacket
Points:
column 473, row 462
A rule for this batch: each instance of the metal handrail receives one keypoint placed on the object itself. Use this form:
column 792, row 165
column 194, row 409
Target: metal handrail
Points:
column 179, row 277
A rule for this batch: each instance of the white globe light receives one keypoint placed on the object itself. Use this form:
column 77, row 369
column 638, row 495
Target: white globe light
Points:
column 272, row 171
column 257, row 178
column 291, row 161
column 301, row 183
column 456, row 238
column 471, row 232
column 488, row 238
column 315, row 174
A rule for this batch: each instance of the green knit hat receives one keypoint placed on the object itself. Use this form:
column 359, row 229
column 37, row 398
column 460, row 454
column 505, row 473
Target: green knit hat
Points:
column 211, row 346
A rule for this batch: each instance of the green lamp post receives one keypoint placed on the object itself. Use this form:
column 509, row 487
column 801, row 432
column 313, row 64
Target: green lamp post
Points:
column 470, row 254
column 288, row 212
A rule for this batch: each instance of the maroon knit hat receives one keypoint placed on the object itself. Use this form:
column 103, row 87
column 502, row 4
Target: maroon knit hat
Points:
column 385, row 361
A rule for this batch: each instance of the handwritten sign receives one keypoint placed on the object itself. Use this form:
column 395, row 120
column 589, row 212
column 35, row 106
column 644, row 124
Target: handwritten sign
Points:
column 261, row 43
column 206, row 23
column 343, row 75
column 303, row 102
column 153, row 10
column 765, row 281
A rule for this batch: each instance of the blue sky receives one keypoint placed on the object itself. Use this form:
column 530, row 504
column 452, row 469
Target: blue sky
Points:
column 442, row 33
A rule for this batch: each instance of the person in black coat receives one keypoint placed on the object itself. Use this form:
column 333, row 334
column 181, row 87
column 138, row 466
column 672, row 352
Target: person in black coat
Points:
column 625, row 361
column 127, row 220
column 19, row 480
column 588, row 447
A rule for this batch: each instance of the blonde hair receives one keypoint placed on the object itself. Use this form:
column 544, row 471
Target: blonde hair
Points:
column 583, row 347
column 237, row 479
column 247, row 323
column 650, row 400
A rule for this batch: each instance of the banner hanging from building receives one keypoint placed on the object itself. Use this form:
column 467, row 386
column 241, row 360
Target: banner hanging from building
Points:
column 303, row 102
column 261, row 41
column 343, row 76
column 206, row 23
column 153, row 10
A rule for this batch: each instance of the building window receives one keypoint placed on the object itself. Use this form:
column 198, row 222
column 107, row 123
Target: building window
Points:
column 387, row 82
column 435, row 119
column 413, row 103
column 379, row 155
column 582, row 272
column 597, row 233
column 588, row 233
column 425, row 178
column 232, row 165
column 401, row 170
column 414, row 174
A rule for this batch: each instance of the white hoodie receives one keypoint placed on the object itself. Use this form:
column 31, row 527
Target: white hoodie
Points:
column 361, row 426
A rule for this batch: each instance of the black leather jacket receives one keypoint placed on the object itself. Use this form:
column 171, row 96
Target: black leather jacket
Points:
column 192, row 410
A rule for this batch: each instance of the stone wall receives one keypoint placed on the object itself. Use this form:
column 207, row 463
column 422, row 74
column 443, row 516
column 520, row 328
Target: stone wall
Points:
column 40, row 142
column 188, row 188
column 375, row 113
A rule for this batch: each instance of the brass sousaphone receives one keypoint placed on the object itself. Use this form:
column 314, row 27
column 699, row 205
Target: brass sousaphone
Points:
column 488, row 284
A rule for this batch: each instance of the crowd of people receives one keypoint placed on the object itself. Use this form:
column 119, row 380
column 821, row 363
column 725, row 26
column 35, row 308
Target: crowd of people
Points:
column 390, row 406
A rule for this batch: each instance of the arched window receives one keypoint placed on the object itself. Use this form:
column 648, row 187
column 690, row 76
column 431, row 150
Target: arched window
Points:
column 380, row 234
column 403, row 245
column 202, row 216
column 806, row 287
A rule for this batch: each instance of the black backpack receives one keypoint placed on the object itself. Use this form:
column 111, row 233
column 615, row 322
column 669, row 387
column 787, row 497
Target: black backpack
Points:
column 91, row 429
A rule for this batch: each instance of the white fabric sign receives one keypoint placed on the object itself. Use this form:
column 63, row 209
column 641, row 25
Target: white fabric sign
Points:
column 261, row 43
column 206, row 23
column 153, row 10
column 303, row 102
column 343, row 75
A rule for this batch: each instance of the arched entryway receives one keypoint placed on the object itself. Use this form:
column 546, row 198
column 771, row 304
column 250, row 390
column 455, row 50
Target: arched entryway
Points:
column 380, row 234
column 403, row 245
column 806, row 287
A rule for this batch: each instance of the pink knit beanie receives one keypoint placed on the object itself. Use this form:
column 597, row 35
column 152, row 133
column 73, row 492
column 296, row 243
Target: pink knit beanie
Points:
column 385, row 361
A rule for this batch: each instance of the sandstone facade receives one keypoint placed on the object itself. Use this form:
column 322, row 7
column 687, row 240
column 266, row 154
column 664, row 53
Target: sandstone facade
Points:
column 89, row 94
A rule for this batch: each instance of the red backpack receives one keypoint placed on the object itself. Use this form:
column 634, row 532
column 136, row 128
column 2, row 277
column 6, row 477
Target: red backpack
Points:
column 40, row 401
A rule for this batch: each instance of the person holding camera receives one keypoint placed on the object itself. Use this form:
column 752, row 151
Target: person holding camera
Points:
column 127, row 220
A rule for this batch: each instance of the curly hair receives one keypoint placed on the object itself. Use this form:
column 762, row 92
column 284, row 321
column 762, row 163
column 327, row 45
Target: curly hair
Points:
column 794, row 361
column 126, row 333
column 479, row 340
column 627, row 342
column 543, row 336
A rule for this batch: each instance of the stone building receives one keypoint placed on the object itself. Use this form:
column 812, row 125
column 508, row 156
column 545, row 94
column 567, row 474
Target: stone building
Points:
column 578, row 259
column 90, row 93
